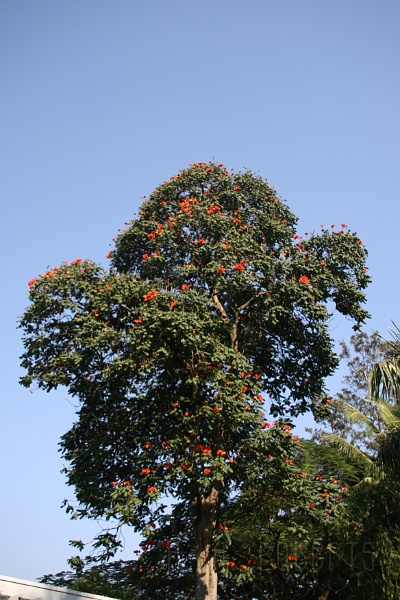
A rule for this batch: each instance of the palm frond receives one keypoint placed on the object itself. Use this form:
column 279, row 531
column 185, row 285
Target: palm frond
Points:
column 355, row 416
column 353, row 454
column 389, row 414
column 384, row 378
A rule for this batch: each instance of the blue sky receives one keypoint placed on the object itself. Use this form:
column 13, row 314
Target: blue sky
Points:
column 101, row 100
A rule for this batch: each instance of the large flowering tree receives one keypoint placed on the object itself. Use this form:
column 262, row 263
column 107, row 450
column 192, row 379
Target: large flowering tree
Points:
column 213, row 307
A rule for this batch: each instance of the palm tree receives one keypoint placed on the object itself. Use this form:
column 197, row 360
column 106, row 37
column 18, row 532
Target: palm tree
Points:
column 383, row 396
column 384, row 389
column 384, row 377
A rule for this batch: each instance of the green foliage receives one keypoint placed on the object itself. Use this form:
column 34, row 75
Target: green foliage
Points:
column 360, row 357
column 213, row 305
column 384, row 379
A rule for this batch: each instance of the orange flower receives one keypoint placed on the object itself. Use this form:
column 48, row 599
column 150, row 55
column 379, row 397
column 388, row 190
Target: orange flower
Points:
column 325, row 495
column 239, row 267
column 172, row 303
column 204, row 449
column 213, row 209
column 230, row 564
column 145, row 256
column 150, row 295
column 146, row 471
column 237, row 187
column 221, row 452
column 220, row 270
column 266, row 425
column 207, row 470
column 216, row 409
column 151, row 489
column 185, row 286
column 304, row 279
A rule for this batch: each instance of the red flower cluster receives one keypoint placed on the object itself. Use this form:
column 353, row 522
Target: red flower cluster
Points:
column 304, row 279
column 204, row 449
column 150, row 295
column 153, row 234
column 213, row 209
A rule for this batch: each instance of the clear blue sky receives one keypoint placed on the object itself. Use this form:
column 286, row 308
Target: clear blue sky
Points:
column 101, row 100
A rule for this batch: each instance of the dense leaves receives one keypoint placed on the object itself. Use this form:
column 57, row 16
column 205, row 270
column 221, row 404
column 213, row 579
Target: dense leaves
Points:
column 213, row 305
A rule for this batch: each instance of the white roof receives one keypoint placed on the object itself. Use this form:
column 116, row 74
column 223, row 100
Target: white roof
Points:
column 19, row 589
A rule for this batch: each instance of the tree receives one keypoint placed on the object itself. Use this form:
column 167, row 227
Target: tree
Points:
column 366, row 432
column 384, row 379
column 360, row 356
column 212, row 303
column 281, row 536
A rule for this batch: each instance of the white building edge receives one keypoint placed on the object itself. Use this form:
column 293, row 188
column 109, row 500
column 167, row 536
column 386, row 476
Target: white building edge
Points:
column 19, row 589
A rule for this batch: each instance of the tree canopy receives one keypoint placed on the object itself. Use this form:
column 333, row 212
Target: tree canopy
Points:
column 213, row 307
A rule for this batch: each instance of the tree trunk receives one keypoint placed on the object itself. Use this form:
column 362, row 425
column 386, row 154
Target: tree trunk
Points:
column 204, row 515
